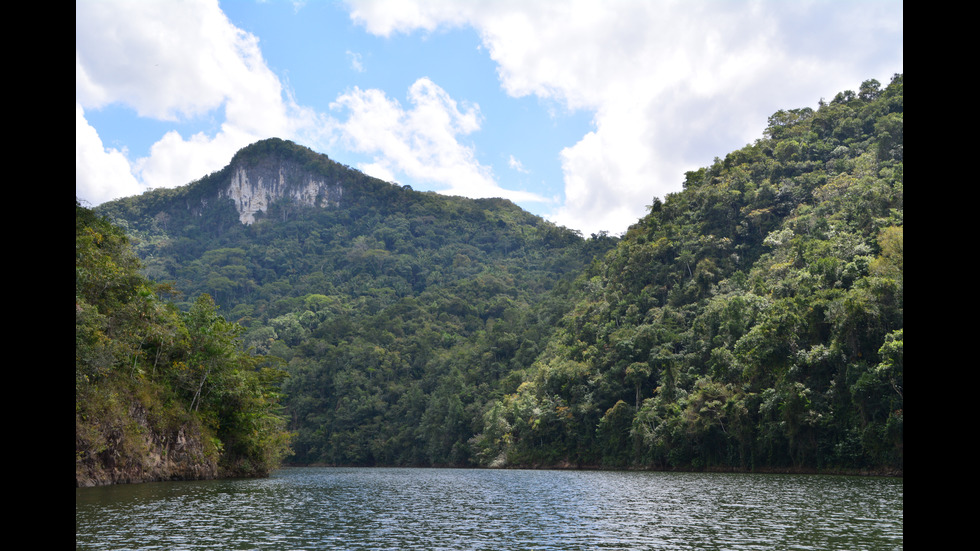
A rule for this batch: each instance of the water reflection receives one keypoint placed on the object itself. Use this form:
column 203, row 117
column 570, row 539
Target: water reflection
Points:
column 326, row 508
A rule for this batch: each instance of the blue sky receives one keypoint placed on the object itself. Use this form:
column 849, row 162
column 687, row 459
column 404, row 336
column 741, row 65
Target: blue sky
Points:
column 581, row 111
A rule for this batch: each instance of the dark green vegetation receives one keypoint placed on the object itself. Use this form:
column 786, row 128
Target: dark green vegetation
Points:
column 397, row 314
column 752, row 321
column 161, row 394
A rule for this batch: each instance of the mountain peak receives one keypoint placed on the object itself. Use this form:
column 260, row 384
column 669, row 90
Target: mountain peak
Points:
column 274, row 169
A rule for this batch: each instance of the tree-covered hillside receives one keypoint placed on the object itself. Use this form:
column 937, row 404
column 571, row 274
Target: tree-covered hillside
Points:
column 161, row 394
column 398, row 314
column 753, row 320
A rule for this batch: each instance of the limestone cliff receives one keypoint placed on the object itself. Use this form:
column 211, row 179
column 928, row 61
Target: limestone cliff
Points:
column 266, row 177
column 135, row 448
column 254, row 187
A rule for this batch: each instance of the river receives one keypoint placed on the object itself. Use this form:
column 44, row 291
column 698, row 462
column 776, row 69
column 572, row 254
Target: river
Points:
column 443, row 509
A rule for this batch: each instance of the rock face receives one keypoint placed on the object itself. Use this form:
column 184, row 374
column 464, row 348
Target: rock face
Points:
column 140, row 452
column 255, row 188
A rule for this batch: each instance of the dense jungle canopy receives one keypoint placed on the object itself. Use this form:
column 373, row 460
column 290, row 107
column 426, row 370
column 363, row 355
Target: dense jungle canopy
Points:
column 751, row 321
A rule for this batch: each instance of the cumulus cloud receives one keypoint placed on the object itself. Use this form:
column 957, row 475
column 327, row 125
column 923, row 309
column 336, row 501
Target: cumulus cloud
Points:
column 421, row 141
column 671, row 84
column 166, row 60
column 101, row 174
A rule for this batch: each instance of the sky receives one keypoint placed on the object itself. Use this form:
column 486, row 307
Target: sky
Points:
column 580, row 111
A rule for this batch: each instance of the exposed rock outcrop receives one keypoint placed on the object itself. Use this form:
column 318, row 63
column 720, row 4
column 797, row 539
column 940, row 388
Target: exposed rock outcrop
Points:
column 255, row 188
column 136, row 451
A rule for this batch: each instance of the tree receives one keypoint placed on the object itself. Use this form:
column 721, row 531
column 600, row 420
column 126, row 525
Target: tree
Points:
column 145, row 373
column 637, row 374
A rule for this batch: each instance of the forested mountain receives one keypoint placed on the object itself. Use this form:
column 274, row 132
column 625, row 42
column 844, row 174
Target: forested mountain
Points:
column 398, row 314
column 751, row 321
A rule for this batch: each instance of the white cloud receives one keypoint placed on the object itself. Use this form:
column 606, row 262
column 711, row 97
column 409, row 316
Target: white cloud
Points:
column 166, row 60
column 672, row 84
column 100, row 174
column 385, row 17
column 421, row 142
column 176, row 61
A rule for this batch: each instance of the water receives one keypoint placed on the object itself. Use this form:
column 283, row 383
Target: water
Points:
column 441, row 509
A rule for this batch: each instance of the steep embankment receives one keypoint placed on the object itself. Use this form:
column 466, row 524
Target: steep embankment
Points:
column 752, row 321
column 160, row 394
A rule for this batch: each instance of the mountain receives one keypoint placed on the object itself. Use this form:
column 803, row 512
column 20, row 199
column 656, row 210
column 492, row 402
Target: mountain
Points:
column 397, row 314
column 282, row 213
column 752, row 321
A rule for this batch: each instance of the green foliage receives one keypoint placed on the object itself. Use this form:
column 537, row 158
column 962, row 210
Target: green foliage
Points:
column 150, row 380
column 751, row 321
column 400, row 316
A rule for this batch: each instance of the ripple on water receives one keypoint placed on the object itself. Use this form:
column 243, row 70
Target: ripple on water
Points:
column 333, row 508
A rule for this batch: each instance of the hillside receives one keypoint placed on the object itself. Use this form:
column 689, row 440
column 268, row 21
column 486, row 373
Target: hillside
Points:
column 751, row 321
column 160, row 394
column 397, row 314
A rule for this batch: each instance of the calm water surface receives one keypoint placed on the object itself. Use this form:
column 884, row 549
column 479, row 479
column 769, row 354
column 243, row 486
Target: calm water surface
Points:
column 337, row 508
